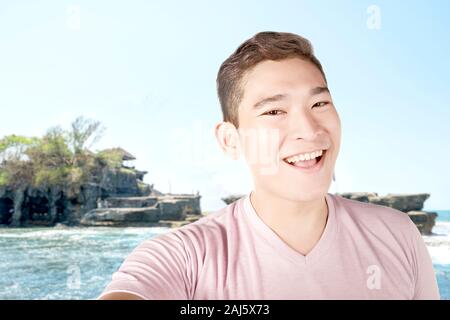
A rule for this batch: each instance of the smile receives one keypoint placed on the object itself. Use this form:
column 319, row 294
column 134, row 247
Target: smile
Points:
column 307, row 162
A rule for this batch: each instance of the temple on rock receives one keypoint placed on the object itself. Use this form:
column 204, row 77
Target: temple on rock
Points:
column 118, row 197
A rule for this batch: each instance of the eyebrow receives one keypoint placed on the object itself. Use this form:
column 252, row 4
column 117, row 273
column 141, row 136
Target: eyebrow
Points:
column 279, row 97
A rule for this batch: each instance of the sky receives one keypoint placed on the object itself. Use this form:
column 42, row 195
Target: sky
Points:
column 146, row 70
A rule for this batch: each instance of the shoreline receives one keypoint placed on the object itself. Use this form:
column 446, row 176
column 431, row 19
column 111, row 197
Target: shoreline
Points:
column 172, row 224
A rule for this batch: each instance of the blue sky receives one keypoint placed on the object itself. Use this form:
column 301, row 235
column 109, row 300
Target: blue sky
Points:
column 147, row 69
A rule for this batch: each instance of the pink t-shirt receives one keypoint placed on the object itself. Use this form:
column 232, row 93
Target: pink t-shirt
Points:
column 366, row 251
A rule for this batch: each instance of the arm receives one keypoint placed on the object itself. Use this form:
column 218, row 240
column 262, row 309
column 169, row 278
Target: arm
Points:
column 426, row 287
column 119, row 296
column 156, row 270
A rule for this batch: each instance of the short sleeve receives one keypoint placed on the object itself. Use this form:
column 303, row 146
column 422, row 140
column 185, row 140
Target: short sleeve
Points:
column 155, row 270
column 426, row 287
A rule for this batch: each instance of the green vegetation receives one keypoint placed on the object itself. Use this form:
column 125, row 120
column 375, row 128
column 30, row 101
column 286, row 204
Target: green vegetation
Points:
column 60, row 160
column 127, row 171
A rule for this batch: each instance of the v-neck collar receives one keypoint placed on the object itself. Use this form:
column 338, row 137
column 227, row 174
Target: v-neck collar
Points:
column 319, row 249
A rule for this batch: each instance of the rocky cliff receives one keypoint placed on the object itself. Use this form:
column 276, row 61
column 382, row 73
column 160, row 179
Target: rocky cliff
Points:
column 163, row 210
column 119, row 197
column 411, row 204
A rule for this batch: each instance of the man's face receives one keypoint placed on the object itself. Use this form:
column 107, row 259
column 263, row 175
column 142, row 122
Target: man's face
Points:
column 287, row 110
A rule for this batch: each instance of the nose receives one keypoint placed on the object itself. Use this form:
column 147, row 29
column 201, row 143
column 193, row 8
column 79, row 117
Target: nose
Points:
column 303, row 125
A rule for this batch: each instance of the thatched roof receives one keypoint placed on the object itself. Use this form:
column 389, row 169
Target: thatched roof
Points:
column 125, row 154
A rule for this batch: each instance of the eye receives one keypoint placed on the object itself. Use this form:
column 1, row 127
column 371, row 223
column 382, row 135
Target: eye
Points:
column 273, row 112
column 321, row 104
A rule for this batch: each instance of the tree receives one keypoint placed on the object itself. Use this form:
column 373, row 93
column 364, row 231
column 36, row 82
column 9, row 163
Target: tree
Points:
column 15, row 168
column 84, row 133
column 50, row 158
column 57, row 164
column 12, row 147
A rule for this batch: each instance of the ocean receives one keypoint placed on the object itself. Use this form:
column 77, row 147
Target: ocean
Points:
column 439, row 248
column 77, row 263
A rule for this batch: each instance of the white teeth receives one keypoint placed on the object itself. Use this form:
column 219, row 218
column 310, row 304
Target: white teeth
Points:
column 304, row 156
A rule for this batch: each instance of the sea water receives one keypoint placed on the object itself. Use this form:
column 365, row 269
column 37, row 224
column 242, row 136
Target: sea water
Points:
column 74, row 263
column 77, row 263
column 439, row 248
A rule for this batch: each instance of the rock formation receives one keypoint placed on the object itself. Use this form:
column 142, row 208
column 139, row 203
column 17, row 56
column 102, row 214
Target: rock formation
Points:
column 162, row 210
column 120, row 198
column 231, row 198
column 411, row 204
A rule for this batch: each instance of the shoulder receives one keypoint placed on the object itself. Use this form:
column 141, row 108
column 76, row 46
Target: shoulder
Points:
column 375, row 217
column 209, row 230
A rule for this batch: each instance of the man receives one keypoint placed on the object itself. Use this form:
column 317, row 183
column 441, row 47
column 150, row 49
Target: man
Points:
column 289, row 238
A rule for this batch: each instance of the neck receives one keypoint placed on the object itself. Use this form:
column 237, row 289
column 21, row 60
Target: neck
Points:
column 299, row 223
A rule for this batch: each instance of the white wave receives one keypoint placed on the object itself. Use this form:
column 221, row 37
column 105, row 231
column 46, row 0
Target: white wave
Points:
column 143, row 230
column 32, row 235
column 79, row 233
column 442, row 228
column 438, row 245
column 440, row 255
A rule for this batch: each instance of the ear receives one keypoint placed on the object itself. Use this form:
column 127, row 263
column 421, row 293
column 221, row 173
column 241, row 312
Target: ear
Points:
column 228, row 138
